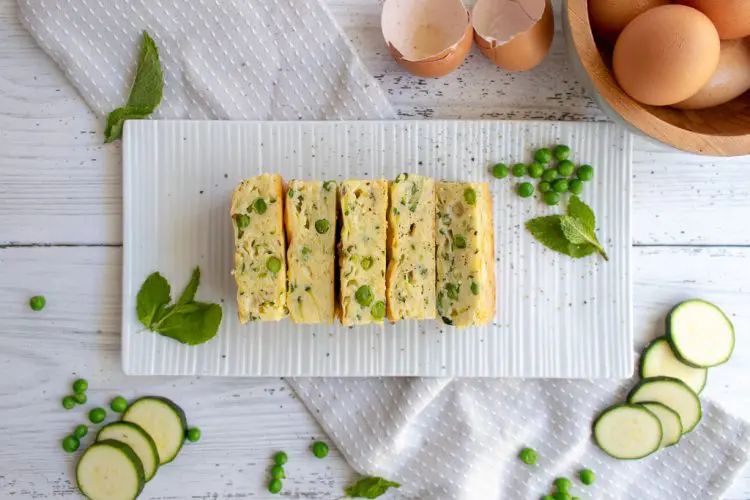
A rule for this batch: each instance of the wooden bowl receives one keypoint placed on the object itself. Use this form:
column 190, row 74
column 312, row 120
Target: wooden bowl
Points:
column 722, row 130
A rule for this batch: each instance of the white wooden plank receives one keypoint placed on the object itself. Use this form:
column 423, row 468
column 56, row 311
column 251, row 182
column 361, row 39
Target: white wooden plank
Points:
column 243, row 420
column 60, row 184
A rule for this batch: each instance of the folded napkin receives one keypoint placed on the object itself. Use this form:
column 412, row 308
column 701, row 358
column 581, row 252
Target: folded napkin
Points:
column 441, row 438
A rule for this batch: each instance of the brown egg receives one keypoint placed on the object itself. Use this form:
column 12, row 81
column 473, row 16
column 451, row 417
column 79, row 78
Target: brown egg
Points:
column 731, row 78
column 666, row 54
column 514, row 34
column 731, row 17
column 427, row 38
column 609, row 17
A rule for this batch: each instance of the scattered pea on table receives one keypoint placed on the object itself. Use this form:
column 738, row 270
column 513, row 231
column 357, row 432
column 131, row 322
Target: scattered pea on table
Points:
column 561, row 152
column 37, row 302
column 575, row 186
column 68, row 402
column 280, row 458
column 277, row 472
column 562, row 495
column 70, row 443
column 525, row 189
column 118, row 404
column 528, row 456
column 566, row 168
column 500, row 171
column 81, row 385
column 80, row 431
column 193, row 434
column 518, row 170
column 274, row 486
column 587, row 476
column 551, row 198
column 320, row 449
column 80, row 398
column 585, row 172
column 536, row 170
column 544, row 186
column 543, row 156
column 562, row 484
column 97, row 415
column 560, row 185
column 549, row 175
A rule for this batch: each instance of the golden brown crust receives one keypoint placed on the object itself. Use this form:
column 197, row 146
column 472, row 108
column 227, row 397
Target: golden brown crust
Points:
column 489, row 255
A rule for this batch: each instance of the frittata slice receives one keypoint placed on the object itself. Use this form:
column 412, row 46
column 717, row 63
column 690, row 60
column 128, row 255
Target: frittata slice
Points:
column 410, row 280
column 310, row 208
column 259, row 249
column 465, row 254
column 362, row 257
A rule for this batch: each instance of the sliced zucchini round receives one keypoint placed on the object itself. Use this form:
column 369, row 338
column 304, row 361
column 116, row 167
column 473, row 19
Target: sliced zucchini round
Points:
column 671, row 425
column 658, row 359
column 163, row 420
column 672, row 393
column 627, row 431
column 701, row 335
column 110, row 470
column 139, row 441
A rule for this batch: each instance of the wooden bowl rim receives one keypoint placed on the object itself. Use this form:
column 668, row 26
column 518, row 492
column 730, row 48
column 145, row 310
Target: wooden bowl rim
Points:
column 630, row 110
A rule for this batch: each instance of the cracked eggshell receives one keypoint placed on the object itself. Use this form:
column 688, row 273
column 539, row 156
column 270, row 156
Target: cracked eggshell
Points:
column 427, row 38
column 514, row 34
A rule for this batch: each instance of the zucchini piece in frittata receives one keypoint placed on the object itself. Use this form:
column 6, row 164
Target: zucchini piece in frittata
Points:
column 362, row 256
column 310, row 213
column 259, row 247
column 465, row 254
column 410, row 280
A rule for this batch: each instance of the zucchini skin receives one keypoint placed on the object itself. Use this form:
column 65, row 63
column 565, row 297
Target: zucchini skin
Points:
column 614, row 407
column 644, row 354
column 128, row 452
column 673, row 380
column 178, row 411
column 673, row 344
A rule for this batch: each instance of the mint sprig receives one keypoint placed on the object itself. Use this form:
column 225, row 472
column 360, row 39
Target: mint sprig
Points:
column 145, row 94
column 573, row 234
column 186, row 320
column 370, row 487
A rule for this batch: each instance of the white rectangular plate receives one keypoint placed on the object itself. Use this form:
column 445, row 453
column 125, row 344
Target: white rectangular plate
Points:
column 556, row 317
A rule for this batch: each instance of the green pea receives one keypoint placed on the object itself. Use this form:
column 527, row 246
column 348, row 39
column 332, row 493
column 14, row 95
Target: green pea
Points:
column 518, row 170
column 273, row 264
column 551, row 198
column 561, row 152
column 459, row 241
column 562, row 495
column 80, row 431
column 328, row 184
column 401, row 177
column 528, row 456
column 364, row 296
column 575, row 186
column 260, row 206
column 470, row 196
column 366, row 263
column 290, row 193
column 277, row 472
column 70, row 443
column 37, row 302
column 320, row 449
column 80, row 398
column 378, row 310
column 536, row 170
column 500, row 171
column 543, row 156
column 452, row 291
column 562, row 484
column 274, row 486
column 193, row 434
column 585, row 172
column 560, row 185
column 68, row 402
column 242, row 221
column 97, row 415
column 525, row 189
column 474, row 288
column 80, row 385
column 549, row 175
column 322, row 226
column 566, row 168
column 587, row 476
column 280, row 458
column 544, row 186
column 118, row 404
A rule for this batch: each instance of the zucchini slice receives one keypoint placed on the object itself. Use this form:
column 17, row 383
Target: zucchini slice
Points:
column 672, row 393
column 628, row 431
column 658, row 359
column 110, row 470
column 163, row 420
column 671, row 426
column 139, row 441
column 700, row 333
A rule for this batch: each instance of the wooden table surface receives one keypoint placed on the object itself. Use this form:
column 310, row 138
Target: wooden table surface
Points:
column 60, row 235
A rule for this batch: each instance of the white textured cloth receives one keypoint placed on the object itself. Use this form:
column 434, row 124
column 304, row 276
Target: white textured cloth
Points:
column 451, row 439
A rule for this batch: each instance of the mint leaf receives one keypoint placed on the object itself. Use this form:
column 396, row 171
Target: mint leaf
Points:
column 188, row 294
column 370, row 487
column 578, row 233
column 192, row 324
column 145, row 94
column 548, row 231
column 579, row 210
column 152, row 298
